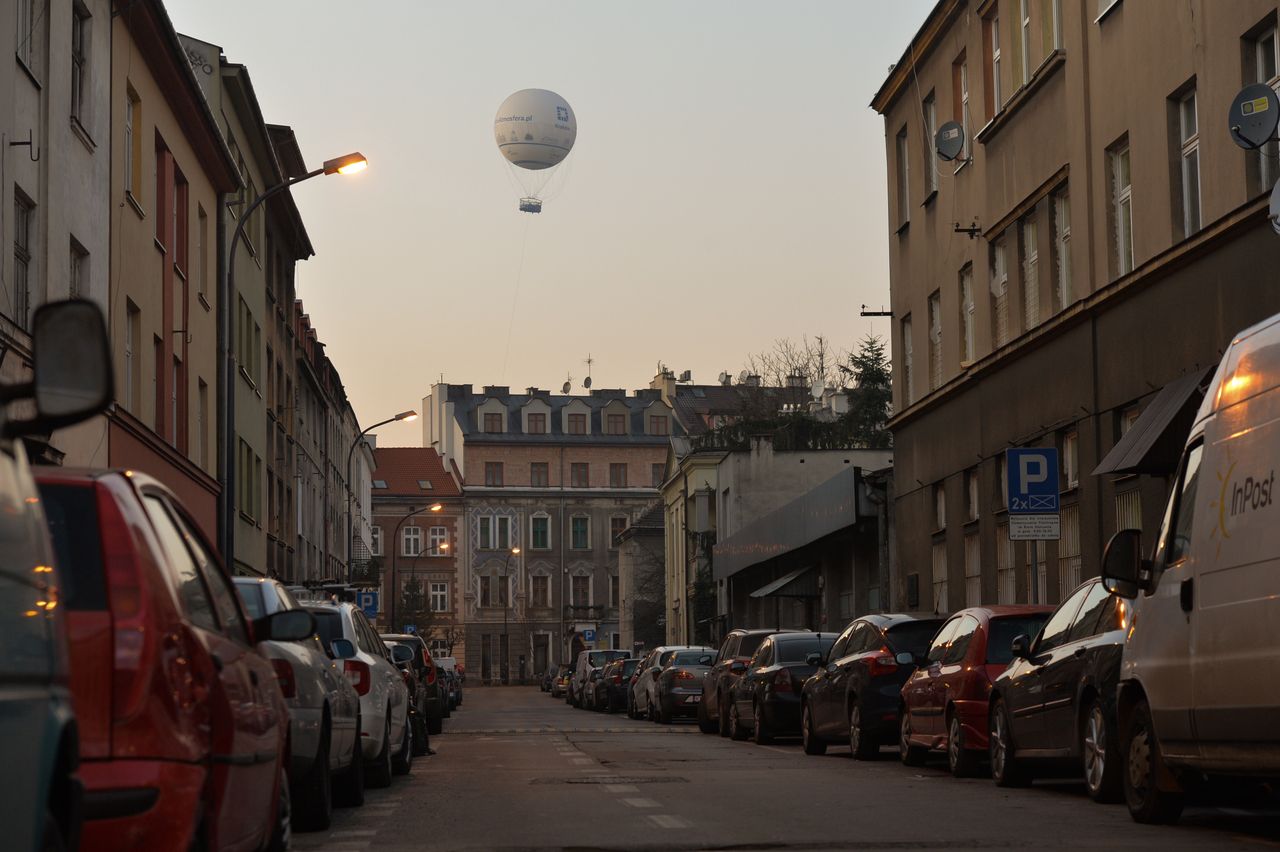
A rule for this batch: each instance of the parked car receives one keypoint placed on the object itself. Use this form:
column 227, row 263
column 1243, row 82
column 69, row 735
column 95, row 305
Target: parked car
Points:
column 616, row 680
column 854, row 695
column 735, row 652
column 586, row 662
column 560, row 685
column 590, row 689
column 39, row 735
column 324, row 712
column 646, row 675
column 451, row 687
column 386, row 736
column 1054, row 707
column 182, row 725
column 765, row 702
column 451, row 667
column 944, row 702
column 1200, row 665
column 424, row 666
column 403, row 656
column 677, row 691
column 548, row 677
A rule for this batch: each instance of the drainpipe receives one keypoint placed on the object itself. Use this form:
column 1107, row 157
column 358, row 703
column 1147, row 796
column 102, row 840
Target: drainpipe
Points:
column 226, row 398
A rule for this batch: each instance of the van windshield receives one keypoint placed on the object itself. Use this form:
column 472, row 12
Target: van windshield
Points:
column 328, row 625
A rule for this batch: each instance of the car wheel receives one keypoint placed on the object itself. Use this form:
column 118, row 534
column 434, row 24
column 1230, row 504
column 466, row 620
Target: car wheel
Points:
column 705, row 725
column 1147, row 802
column 911, row 755
column 349, row 790
column 722, row 715
column 1006, row 769
column 1100, row 755
column 736, row 731
column 315, row 794
column 282, row 829
column 812, row 744
column 759, row 733
column 378, row 773
column 862, row 746
column 403, row 761
column 961, row 759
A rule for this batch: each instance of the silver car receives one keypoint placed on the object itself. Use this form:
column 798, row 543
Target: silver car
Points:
column 324, row 712
column 643, row 696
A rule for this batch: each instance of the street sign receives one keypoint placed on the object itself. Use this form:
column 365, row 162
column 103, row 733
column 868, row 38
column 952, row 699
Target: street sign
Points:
column 1032, row 481
column 368, row 602
column 588, row 635
column 411, row 628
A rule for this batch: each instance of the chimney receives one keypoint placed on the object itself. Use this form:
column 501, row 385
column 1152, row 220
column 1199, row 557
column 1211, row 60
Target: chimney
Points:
column 497, row 390
column 752, row 381
column 665, row 382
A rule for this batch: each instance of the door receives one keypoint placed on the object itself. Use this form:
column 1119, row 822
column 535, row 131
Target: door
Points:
column 1025, row 692
column 716, row 678
column 1065, row 670
column 923, row 702
column 752, row 679
column 822, row 685
column 950, row 674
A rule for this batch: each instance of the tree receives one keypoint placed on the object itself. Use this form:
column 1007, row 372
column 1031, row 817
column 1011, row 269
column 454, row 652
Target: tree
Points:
column 871, row 396
column 812, row 360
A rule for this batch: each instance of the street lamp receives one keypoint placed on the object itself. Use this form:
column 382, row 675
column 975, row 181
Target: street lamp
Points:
column 403, row 416
column 506, row 595
column 395, row 538
column 347, row 164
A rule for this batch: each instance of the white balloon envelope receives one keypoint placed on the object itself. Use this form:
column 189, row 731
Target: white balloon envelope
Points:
column 535, row 129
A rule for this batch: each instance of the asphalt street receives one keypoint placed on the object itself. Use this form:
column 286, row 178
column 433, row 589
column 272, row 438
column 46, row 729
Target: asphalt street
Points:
column 518, row 770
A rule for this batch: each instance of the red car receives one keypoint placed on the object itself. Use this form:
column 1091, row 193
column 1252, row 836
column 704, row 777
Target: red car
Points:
column 944, row 702
column 182, row 724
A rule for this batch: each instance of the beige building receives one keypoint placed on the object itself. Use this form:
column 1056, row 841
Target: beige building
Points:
column 1069, row 279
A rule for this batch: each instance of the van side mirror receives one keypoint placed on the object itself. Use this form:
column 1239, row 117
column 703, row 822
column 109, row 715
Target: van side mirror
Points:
column 1123, row 565
column 289, row 625
column 813, row 659
column 1021, row 647
column 342, row 649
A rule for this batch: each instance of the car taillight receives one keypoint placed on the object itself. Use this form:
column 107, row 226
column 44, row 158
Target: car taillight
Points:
column 431, row 674
column 617, row 678
column 782, row 681
column 284, row 674
column 882, row 663
column 358, row 673
column 133, row 645
column 684, row 675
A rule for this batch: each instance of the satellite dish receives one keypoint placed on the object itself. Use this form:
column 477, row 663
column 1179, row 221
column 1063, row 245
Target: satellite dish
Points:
column 949, row 141
column 724, row 378
column 1274, row 213
column 567, row 387
column 818, row 389
column 1253, row 116
column 742, row 377
column 586, row 383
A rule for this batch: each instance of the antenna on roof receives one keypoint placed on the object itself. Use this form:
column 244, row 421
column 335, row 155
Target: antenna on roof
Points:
column 586, row 383
column 568, row 383
column 686, row 376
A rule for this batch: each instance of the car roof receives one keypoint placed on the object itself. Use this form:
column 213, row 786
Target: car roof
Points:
column 793, row 637
column 883, row 620
column 765, row 631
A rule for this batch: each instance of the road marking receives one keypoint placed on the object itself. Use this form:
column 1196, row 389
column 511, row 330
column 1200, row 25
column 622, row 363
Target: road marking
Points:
column 778, row 750
column 621, row 788
column 668, row 821
column 640, row 803
column 335, row 835
column 581, row 761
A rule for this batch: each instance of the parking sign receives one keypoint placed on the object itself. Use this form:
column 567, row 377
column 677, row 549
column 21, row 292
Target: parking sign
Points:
column 368, row 602
column 1031, row 475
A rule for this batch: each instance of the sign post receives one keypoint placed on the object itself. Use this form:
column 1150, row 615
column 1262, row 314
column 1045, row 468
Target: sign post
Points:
column 1032, row 482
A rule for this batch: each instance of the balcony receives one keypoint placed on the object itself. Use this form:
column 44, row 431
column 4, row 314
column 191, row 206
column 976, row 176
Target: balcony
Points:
column 585, row 613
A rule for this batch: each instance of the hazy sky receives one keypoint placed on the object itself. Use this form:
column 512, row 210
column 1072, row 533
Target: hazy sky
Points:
column 727, row 185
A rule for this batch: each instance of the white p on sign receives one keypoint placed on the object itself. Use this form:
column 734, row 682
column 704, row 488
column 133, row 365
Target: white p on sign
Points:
column 1031, row 472
column 1032, row 480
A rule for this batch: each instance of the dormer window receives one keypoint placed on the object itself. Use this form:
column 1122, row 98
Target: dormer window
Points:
column 424, row 484
column 658, row 425
column 379, row 483
column 616, row 424
column 577, row 424
column 537, row 423
column 493, row 422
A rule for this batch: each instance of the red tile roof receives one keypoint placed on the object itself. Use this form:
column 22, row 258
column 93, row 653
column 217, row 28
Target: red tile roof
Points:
column 403, row 467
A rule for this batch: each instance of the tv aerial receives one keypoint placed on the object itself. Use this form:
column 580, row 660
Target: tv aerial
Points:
column 880, row 313
column 1253, row 116
column 586, row 383
column 949, row 141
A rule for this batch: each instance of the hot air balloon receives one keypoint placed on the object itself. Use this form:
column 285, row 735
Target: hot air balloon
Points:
column 535, row 130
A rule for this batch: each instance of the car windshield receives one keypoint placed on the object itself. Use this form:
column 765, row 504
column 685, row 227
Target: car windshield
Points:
column 693, row 658
column 251, row 597
column 599, row 658
column 913, row 636
column 1003, row 631
column 798, row 649
column 747, row 647
column 328, row 625
column 629, row 667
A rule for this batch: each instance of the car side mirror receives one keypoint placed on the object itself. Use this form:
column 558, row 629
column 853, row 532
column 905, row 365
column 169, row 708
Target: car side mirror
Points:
column 905, row 658
column 290, row 625
column 1021, row 647
column 402, row 654
column 813, row 659
column 71, row 357
column 1123, row 567
column 342, row 649
column 737, row 667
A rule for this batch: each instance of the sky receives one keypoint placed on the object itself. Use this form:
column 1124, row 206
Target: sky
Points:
column 727, row 187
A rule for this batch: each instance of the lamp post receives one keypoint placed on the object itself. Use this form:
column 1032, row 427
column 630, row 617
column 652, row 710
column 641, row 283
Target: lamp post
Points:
column 405, row 416
column 345, row 165
column 395, row 538
column 506, row 601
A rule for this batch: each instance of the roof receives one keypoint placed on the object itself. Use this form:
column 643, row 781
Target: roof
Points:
column 925, row 39
column 652, row 521
column 695, row 405
column 404, row 468
column 466, row 404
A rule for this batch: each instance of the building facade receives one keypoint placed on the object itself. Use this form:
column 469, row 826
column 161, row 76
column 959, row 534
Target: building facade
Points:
column 1070, row 278
column 549, row 482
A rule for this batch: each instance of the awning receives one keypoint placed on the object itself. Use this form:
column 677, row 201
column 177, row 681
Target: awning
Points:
column 1154, row 442
column 800, row 583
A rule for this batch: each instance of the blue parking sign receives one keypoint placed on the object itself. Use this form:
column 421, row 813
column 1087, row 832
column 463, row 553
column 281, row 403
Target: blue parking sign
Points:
column 1032, row 478
column 368, row 602
column 588, row 635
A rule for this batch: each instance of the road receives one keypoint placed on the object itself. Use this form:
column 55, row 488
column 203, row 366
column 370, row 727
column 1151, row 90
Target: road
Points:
column 517, row 770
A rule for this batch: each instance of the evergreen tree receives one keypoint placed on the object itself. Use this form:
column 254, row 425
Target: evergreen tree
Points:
column 871, row 396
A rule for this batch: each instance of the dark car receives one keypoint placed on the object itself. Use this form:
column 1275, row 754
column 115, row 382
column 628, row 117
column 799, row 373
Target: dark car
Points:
column 677, row 690
column 735, row 651
column 766, row 699
column 616, row 683
column 548, row 677
column 855, row 694
column 1054, row 707
column 944, row 702
column 428, row 675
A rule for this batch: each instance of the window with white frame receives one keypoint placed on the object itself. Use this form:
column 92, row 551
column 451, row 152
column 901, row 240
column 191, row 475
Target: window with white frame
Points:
column 439, row 597
column 939, row 506
column 440, row 648
column 1266, row 70
column 580, row 590
column 411, row 541
column 968, row 349
column 999, row 292
column 540, row 590
column 26, row 33
column 492, row 590
column 971, row 494
column 1037, row 574
column 904, row 179
column 23, row 240
column 1129, row 510
column 438, row 541
column 1006, row 583
column 375, row 540
column 1070, row 460
column 1061, row 250
column 80, row 94
column 1069, row 551
column 78, row 273
column 1189, row 135
column 996, row 89
column 496, row 532
column 1024, row 17
column 908, row 393
column 972, row 570
column 964, row 109
column 1030, row 273
column 940, row 576
column 935, row 340
column 930, row 114
column 540, row 532
column 1121, row 209
column 485, row 523
column 580, row 532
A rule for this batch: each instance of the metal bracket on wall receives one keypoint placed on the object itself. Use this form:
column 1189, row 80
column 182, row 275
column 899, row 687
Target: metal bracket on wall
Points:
column 32, row 151
column 973, row 230
column 880, row 313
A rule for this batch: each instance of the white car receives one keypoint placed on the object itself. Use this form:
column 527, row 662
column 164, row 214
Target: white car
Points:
column 385, row 733
column 1198, row 694
column 324, row 712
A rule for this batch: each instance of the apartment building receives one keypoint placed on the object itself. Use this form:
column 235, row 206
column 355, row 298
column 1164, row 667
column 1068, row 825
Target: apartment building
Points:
column 549, row 482
column 1071, row 277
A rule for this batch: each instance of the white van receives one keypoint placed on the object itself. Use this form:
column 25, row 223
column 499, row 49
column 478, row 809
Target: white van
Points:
column 1200, row 678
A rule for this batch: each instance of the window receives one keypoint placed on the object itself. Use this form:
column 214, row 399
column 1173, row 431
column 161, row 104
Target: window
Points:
column 940, row 576
column 1129, row 510
column 485, row 529
column 579, row 473
column 968, row 353
column 1061, row 251
column 907, row 393
column 1175, row 541
column 1057, row 24
column 1069, row 551
column 613, row 592
column 157, row 384
column 935, row 341
column 1104, row 6
column 999, row 292
column 617, row 475
column 1002, row 471
column 972, row 570
column 1030, row 273
column 659, row 473
column 538, row 475
column 996, row 100
column 904, row 179
column 617, row 524
column 659, row 424
column 963, row 115
column 175, row 384
column 1036, row 572
column 375, row 540
column 580, row 591
column 577, row 424
column 437, row 541
column 202, row 421
column 537, row 423
column 939, row 506
column 202, row 250
column 1266, row 70
column 180, row 219
column 938, row 646
column 181, row 567
column 580, row 532
column 539, row 591
column 23, row 238
column 1189, row 136
column 971, row 494
column 26, row 33
column 1092, row 620
column 132, row 143
column 439, row 597
column 493, row 473
column 1054, row 632
column 503, row 527
column 80, row 19
column 1006, row 582
column 78, row 271
column 132, row 358
column 960, row 641
column 492, row 422
column 1121, row 209
column 491, row 591
column 1022, row 61
column 1070, row 460
column 540, row 532
column 929, row 112
column 616, row 424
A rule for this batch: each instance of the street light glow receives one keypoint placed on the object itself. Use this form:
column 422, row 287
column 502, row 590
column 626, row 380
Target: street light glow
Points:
column 437, row 507
column 515, row 551
column 406, row 417
column 347, row 164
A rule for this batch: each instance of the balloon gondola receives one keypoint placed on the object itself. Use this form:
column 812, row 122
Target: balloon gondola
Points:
column 535, row 130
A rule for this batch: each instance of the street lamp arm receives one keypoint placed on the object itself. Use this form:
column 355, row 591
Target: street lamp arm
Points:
column 395, row 538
